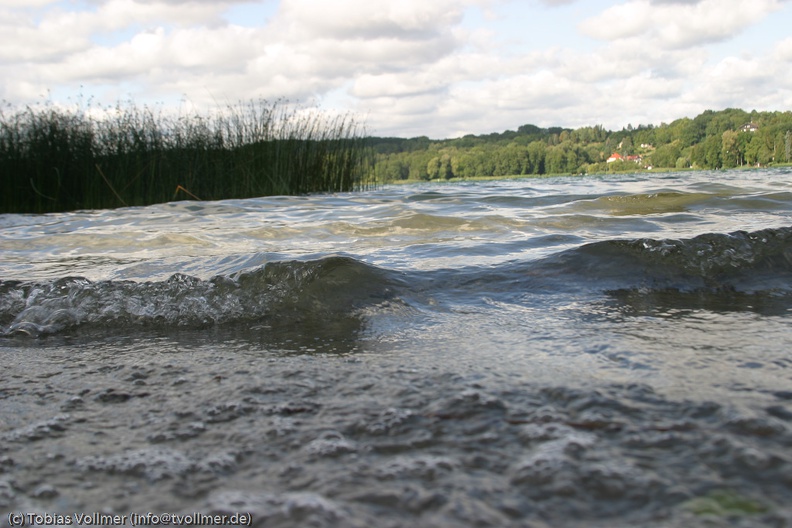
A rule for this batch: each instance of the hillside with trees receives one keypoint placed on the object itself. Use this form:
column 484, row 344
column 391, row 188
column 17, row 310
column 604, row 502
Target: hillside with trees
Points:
column 713, row 140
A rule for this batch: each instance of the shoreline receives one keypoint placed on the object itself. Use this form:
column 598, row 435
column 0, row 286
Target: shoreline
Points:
column 657, row 170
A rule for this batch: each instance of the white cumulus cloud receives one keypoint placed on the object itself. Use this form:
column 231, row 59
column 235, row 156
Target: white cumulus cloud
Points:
column 410, row 67
column 678, row 23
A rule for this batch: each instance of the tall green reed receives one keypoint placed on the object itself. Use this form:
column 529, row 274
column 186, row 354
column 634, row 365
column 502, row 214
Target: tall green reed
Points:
column 56, row 159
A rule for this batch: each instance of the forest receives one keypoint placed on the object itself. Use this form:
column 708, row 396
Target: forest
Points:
column 712, row 140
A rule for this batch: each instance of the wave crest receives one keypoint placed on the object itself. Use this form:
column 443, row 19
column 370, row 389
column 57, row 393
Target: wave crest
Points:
column 749, row 262
column 292, row 291
column 330, row 294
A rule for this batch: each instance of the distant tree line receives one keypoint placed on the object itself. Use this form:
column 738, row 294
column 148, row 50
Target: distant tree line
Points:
column 713, row 140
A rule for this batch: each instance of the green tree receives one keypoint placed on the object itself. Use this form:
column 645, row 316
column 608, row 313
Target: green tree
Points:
column 712, row 152
column 555, row 161
column 466, row 166
column 664, row 134
column 433, row 168
column 710, row 140
column 743, row 140
column 511, row 160
column 536, row 157
column 626, row 148
column 754, row 154
column 439, row 167
column 482, row 161
column 666, row 155
column 392, row 168
column 419, row 163
column 730, row 155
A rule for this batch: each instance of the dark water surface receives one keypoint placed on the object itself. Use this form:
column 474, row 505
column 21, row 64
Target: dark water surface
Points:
column 599, row 351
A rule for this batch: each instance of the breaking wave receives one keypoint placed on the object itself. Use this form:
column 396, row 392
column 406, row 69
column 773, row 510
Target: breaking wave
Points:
column 295, row 290
column 759, row 261
column 748, row 264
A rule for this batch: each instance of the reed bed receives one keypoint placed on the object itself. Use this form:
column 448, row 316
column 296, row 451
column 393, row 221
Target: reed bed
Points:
column 55, row 159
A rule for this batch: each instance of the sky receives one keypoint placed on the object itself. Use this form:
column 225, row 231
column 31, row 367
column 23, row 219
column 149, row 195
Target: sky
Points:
column 405, row 68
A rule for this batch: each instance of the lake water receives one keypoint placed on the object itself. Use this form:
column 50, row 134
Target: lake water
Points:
column 572, row 351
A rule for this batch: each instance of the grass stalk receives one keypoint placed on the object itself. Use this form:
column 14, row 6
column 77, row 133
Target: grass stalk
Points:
column 56, row 159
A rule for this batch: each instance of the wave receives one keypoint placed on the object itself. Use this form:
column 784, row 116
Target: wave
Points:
column 747, row 262
column 335, row 291
column 293, row 291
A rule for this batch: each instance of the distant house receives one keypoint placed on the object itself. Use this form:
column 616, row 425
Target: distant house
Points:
column 749, row 127
column 618, row 157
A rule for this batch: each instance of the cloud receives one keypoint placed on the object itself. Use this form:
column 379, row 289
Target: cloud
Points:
column 556, row 3
column 783, row 50
column 412, row 67
column 308, row 47
column 25, row 3
column 53, row 34
column 363, row 19
column 223, row 49
column 678, row 23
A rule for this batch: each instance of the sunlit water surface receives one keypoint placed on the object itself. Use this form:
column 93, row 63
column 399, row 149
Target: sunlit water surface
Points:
column 577, row 351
